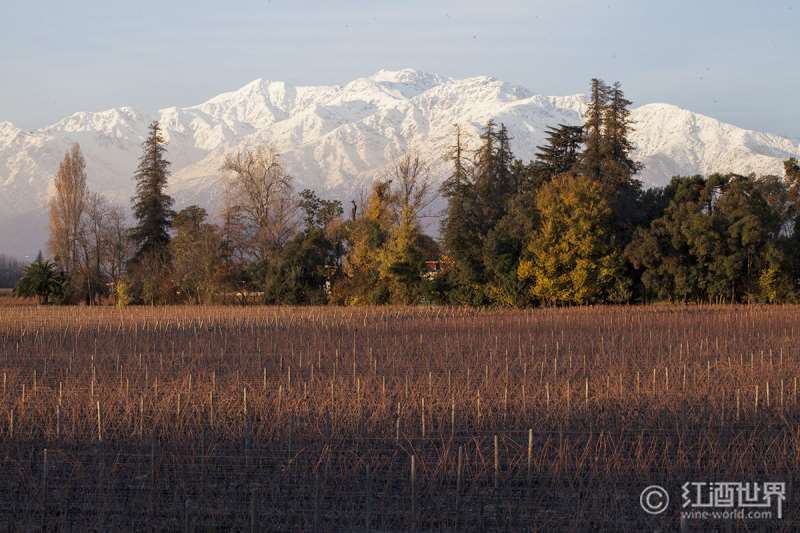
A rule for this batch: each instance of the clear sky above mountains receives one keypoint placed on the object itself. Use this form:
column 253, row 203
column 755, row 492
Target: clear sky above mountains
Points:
column 736, row 61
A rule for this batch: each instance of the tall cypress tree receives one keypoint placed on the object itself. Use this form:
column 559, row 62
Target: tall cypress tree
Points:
column 484, row 171
column 618, row 168
column 590, row 162
column 494, row 181
column 476, row 204
column 457, row 188
column 506, row 180
column 152, row 206
column 459, row 225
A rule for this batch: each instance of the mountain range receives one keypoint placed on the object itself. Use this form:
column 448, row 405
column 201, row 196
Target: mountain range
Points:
column 335, row 139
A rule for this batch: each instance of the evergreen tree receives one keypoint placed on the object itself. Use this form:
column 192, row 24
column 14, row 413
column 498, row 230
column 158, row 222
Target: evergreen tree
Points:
column 504, row 247
column 459, row 228
column 663, row 252
column 318, row 213
column 792, row 183
column 560, row 153
column 493, row 181
column 309, row 263
column 590, row 162
column 484, row 180
column 617, row 166
column 152, row 206
column 299, row 273
column 506, row 182
column 719, row 240
column 618, row 169
column 42, row 280
column 149, row 268
column 607, row 153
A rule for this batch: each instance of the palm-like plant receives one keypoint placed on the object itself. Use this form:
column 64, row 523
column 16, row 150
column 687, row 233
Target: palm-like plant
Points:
column 40, row 279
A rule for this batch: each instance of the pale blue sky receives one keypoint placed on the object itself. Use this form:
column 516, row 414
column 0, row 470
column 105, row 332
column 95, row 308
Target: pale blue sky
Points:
column 737, row 61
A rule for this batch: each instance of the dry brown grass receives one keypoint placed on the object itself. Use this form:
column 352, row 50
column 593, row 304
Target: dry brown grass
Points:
column 7, row 299
column 283, row 418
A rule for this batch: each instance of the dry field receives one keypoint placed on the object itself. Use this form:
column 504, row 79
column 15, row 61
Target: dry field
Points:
column 346, row 419
column 7, row 298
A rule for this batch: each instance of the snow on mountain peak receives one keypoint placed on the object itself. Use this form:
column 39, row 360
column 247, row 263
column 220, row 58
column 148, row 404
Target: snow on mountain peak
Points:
column 7, row 131
column 698, row 143
column 113, row 123
column 337, row 138
column 419, row 80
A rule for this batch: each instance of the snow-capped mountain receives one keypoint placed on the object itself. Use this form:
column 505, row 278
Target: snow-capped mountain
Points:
column 337, row 138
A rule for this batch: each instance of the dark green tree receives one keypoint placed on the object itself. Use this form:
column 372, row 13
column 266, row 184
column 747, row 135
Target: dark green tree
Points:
column 149, row 268
column 560, row 153
column 152, row 206
column 41, row 279
column 719, row 240
column 504, row 247
column 299, row 274
column 317, row 212
column 459, row 228
column 792, row 181
column 617, row 168
column 590, row 162
column 492, row 177
column 301, row 271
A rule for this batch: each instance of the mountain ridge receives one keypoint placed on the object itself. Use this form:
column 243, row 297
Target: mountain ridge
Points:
column 337, row 138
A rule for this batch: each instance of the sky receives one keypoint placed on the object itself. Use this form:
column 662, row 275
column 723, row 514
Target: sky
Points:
column 734, row 60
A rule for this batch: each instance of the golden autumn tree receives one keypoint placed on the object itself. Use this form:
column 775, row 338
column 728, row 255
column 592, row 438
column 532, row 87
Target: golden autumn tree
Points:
column 571, row 258
column 367, row 234
column 67, row 205
column 402, row 262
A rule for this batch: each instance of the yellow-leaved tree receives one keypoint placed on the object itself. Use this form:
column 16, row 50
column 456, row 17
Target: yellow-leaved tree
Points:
column 571, row 258
column 367, row 234
column 402, row 259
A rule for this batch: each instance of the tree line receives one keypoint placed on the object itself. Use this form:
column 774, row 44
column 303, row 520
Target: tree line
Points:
column 572, row 227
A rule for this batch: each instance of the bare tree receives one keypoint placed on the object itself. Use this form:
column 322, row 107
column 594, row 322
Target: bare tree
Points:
column 92, row 244
column 66, row 209
column 410, row 175
column 260, row 207
column 117, row 243
column 104, row 247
